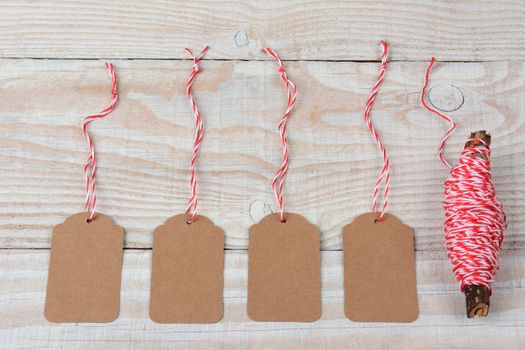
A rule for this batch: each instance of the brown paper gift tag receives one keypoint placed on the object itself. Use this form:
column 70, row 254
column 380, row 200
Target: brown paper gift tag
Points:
column 379, row 268
column 284, row 277
column 85, row 270
column 187, row 274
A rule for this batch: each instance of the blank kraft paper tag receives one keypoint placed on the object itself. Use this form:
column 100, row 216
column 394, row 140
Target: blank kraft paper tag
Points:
column 379, row 269
column 85, row 270
column 187, row 274
column 284, row 279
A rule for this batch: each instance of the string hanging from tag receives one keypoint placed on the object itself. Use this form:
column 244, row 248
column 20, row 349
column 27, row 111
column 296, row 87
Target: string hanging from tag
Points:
column 291, row 90
column 474, row 218
column 187, row 269
column 385, row 171
column 191, row 209
column 90, row 168
column 85, row 265
column 379, row 244
column 284, row 276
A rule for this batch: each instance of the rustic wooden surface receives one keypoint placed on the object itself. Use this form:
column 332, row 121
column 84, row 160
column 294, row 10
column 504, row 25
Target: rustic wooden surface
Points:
column 442, row 323
column 52, row 74
column 309, row 30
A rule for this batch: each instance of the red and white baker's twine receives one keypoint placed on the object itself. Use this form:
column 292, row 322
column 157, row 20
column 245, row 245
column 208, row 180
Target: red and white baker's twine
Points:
column 191, row 209
column 435, row 111
column 474, row 218
column 385, row 171
column 90, row 168
column 291, row 89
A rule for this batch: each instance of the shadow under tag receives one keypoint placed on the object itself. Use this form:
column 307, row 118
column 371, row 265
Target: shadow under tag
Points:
column 187, row 273
column 85, row 270
column 284, row 270
column 379, row 269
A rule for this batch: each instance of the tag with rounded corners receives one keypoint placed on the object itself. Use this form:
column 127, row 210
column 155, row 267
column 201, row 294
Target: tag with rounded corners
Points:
column 379, row 270
column 85, row 270
column 284, row 270
column 187, row 274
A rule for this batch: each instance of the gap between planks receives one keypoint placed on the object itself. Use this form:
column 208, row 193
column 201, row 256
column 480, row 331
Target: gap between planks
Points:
column 12, row 58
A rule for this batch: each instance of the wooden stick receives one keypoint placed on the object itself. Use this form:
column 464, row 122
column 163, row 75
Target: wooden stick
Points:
column 477, row 297
column 475, row 137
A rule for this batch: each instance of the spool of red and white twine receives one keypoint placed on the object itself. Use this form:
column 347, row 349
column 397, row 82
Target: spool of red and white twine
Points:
column 291, row 90
column 191, row 209
column 474, row 218
column 90, row 168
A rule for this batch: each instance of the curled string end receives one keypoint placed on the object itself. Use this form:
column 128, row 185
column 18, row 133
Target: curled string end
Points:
column 204, row 49
column 189, row 52
column 438, row 113
column 384, row 45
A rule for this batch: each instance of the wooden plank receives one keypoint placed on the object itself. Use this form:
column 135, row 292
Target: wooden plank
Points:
column 442, row 323
column 144, row 146
column 314, row 30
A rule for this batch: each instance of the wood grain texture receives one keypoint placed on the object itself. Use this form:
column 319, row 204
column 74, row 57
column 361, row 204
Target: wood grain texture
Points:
column 441, row 324
column 144, row 146
column 299, row 30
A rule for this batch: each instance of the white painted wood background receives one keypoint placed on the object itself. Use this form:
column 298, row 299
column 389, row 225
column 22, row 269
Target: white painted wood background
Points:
column 52, row 75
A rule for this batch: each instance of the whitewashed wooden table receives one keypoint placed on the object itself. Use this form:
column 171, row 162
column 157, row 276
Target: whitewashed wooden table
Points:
column 52, row 75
